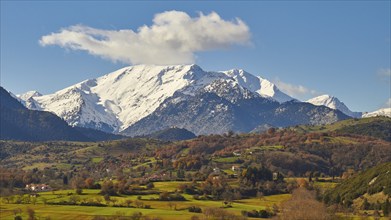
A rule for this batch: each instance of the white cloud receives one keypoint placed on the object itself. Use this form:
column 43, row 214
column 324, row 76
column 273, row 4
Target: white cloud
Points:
column 173, row 38
column 384, row 74
column 296, row 91
column 388, row 103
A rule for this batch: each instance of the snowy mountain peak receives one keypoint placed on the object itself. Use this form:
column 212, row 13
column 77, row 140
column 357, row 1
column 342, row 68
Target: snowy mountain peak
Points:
column 30, row 94
column 258, row 84
column 380, row 112
column 27, row 99
column 333, row 103
column 230, row 89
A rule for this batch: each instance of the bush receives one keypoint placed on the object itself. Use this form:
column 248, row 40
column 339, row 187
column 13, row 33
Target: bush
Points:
column 93, row 204
column 195, row 209
column 79, row 191
column 190, row 191
column 150, row 185
column 257, row 214
column 165, row 196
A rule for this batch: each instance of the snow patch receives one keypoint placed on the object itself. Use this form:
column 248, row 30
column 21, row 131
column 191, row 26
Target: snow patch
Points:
column 372, row 181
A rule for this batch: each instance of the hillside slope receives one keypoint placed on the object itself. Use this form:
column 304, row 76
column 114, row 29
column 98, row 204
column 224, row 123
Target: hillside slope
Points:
column 378, row 127
column 374, row 180
column 172, row 134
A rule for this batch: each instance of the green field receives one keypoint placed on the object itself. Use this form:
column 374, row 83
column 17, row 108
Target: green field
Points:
column 162, row 209
column 265, row 148
column 226, row 159
column 97, row 159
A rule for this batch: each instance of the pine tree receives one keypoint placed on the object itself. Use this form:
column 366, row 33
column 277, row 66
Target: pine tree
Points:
column 386, row 207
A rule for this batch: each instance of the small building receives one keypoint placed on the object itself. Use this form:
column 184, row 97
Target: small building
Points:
column 236, row 153
column 235, row 168
column 215, row 177
column 277, row 176
column 38, row 187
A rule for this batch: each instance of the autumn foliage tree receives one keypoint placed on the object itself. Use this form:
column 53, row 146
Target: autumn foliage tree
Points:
column 254, row 174
column 89, row 183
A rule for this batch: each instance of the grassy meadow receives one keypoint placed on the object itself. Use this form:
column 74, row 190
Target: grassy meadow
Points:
column 45, row 205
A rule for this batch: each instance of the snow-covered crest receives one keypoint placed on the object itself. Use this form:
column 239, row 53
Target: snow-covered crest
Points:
column 380, row 112
column 258, row 84
column 333, row 103
column 28, row 95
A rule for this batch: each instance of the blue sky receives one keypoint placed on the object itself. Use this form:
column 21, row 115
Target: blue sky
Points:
column 307, row 48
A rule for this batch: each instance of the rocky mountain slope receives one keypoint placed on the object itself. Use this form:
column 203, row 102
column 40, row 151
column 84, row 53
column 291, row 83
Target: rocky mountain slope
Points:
column 222, row 107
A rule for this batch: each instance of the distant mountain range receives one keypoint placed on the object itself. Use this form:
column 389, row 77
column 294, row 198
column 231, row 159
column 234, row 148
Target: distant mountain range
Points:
column 142, row 99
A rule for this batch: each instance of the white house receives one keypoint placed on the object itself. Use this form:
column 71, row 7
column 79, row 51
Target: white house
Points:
column 38, row 187
column 235, row 168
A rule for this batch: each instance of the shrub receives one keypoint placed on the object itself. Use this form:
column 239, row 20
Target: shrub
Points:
column 195, row 209
column 165, row 196
column 257, row 214
column 79, row 191
column 150, row 185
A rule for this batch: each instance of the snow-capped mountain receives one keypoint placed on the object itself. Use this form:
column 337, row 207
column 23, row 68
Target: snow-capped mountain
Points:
column 119, row 99
column 333, row 103
column 380, row 112
column 27, row 99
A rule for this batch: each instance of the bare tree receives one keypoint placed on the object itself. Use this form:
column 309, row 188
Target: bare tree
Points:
column 303, row 206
